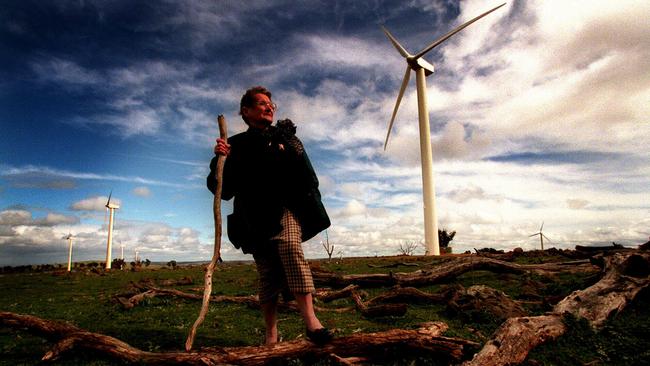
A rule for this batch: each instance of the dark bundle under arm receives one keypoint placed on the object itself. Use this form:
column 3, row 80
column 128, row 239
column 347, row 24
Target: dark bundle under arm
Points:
column 286, row 132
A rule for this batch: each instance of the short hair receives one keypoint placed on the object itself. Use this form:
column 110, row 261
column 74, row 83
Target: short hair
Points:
column 248, row 99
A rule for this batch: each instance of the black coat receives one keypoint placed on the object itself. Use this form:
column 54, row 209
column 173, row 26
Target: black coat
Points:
column 265, row 175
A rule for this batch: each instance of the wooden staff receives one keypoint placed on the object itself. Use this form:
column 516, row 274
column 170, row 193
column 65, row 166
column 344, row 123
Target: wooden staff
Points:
column 223, row 132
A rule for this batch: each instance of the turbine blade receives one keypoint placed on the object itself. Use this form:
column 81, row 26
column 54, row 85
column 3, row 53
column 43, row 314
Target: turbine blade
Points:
column 546, row 237
column 532, row 235
column 452, row 32
column 395, row 43
column 109, row 198
column 540, row 228
column 405, row 81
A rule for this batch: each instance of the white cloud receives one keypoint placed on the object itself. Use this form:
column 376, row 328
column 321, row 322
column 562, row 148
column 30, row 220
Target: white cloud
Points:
column 142, row 191
column 67, row 73
column 97, row 203
column 10, row 171
column 576, row 204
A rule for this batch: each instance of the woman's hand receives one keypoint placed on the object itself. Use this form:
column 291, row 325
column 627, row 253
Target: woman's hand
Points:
column 222, row 147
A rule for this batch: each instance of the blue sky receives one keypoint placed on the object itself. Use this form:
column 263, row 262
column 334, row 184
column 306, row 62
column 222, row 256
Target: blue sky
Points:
column 539, row 112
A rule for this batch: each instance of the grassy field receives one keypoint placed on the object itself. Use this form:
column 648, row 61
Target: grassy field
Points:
column 161, row 324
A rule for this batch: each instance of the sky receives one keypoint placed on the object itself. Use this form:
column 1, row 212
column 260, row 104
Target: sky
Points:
column 539, row 114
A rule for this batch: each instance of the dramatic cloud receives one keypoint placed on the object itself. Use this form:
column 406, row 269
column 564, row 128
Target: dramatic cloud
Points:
column 538, row 113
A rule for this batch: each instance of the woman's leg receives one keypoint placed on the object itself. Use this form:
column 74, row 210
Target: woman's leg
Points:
column 306, row 306
column 270, row 312
column 296, row 269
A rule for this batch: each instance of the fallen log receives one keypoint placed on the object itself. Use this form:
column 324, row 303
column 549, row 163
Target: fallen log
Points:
column 128, row 303
column 378, row 310
column 251, row 301
column 483, row 299
column 592, row 249
column 626, row 275
column 513, row 340
column 360, row 346
column 329, row 296
column 409, row 295
column 446, row 272
column 393, row 265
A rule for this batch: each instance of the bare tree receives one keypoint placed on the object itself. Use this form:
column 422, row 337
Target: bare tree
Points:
column 408, row 248
column 328, row 248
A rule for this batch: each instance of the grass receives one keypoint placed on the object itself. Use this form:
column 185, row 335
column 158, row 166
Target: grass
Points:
column 162, row 323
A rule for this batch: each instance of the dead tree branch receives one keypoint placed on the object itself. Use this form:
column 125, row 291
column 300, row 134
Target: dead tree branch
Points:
column 446, row 272
column 359, row 346
column 626, row 274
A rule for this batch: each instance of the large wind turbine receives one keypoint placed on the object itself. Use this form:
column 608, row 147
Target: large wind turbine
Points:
column 541, row 236
column 111, row 207
column 423, row 69
column 69, row 238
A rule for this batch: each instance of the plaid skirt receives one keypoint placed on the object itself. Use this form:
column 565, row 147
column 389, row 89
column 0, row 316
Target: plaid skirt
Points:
column 283, row 268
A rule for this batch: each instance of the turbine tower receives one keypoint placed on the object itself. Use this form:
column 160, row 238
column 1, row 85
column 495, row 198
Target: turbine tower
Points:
column 423, row 69
column 69, row 239
column 111, row 207
column 541, row 236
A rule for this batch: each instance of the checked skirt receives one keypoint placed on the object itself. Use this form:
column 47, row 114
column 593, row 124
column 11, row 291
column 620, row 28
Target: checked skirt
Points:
column 285, row 269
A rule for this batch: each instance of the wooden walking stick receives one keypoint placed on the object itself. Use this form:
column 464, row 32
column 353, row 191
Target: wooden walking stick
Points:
column 216, row 256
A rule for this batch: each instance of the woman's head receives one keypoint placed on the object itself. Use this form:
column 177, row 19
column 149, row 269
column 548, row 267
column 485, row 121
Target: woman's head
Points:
column 256, row 107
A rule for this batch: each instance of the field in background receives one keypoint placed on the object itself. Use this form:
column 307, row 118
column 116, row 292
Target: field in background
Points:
column 86, row 299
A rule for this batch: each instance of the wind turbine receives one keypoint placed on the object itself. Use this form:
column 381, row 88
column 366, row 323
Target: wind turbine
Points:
column 423, row 69
column 541, row 236
column 111, row 207
column 69, row 239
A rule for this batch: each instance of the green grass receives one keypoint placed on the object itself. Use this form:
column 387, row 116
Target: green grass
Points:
column 162, row 323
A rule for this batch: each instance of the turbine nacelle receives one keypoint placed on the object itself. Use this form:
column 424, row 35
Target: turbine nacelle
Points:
column 420, row 63
column 110, row 205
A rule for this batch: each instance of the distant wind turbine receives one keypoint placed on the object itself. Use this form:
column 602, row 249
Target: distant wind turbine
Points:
column 423, row 69
column 69, row 239
column 111, row 207
column 541, row 236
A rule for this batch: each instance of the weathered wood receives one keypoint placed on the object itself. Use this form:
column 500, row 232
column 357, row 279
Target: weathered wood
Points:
column 484, row 299
column 328, row 296
column 216, row 255
column 251, row 301
column 378, row 310
column 361, row 346
column 408, row 295
column 626, row 274
column 447, row 271
column 393, row 265
column 513, row 340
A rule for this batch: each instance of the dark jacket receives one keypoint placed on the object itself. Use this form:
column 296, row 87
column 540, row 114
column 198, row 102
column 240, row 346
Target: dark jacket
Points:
column 265, row 175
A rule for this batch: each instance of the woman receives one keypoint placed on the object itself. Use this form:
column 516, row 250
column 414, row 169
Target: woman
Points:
column 277, row 206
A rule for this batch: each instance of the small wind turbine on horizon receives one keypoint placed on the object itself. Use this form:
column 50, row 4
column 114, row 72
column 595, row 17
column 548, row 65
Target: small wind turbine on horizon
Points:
column 69, row 239
column 541, row 236
column 111, row 207
column 423, row 69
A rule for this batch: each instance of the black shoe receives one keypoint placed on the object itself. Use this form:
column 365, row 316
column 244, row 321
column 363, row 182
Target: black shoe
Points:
column 320, row 336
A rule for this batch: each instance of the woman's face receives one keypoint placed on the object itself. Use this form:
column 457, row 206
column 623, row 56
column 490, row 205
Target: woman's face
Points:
column 260, row 114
